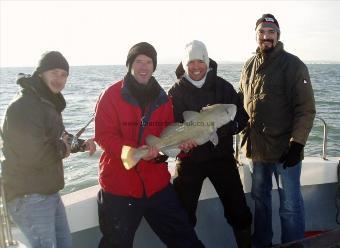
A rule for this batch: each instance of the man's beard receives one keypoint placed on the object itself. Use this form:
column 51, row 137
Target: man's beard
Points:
column 266, row 49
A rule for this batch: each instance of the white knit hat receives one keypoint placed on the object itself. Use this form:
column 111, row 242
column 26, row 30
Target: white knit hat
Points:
column 195, row 50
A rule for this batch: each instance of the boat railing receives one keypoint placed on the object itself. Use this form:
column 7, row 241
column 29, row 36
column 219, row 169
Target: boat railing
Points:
column 6, row 237
column 325, row 135
column 324, row 142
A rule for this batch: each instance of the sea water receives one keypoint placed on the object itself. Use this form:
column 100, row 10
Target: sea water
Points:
column 85, row 84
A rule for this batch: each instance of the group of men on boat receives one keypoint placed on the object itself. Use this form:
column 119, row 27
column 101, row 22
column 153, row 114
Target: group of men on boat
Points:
column 275, row 113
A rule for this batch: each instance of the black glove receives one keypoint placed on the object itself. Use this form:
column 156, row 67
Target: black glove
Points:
column 292, row 156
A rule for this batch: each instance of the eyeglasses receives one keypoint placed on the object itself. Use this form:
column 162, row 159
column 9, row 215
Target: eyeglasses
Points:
column 266, row 32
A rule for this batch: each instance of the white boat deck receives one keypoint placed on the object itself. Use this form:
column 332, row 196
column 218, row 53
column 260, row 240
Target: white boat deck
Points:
column 83, row 202
column 81, row 206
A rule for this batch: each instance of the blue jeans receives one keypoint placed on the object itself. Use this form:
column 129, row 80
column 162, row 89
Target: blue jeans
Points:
column 42, row 219
column 291, row 210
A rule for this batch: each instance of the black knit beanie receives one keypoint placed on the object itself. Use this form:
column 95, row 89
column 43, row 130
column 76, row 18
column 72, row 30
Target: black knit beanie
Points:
column 141, row 48
column 52, row 60
column 268, row 19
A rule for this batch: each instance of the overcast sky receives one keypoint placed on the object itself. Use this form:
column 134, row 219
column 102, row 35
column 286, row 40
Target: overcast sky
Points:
column 101, row 32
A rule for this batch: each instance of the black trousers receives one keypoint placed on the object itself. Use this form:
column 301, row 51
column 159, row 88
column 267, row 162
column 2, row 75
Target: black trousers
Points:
column 224, row 176
column 119, row 218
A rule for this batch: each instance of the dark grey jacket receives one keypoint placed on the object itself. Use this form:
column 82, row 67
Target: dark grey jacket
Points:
column 278, row 97
column 32, row 148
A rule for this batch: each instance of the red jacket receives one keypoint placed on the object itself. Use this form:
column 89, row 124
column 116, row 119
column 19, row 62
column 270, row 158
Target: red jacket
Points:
column 117, row 123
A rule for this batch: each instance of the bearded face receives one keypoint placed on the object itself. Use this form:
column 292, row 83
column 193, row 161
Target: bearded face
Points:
column 267, row 39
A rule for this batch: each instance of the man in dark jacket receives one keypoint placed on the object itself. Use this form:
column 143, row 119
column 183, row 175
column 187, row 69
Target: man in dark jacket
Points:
column 125, row 115
column 278, row 98
column 198, row 87
column 34, row 146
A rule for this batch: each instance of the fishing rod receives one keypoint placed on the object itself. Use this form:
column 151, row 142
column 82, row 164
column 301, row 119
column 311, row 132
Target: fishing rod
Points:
column 1, row 138
column 76, row 143
column 80, row 132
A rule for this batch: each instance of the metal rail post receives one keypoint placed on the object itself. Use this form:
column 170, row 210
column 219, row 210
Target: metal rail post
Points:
column 6, row 238
column 324, row 143
column 325, row 134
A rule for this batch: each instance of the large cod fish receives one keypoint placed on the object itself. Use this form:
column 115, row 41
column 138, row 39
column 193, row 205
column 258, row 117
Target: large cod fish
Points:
column 199, row 126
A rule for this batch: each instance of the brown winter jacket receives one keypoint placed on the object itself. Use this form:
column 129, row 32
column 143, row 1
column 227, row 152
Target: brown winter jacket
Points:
column 278, row 97
column 33, row 150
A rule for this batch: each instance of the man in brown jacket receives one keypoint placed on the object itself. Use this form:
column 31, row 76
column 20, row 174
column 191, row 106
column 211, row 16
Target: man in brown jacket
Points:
column 279, row 100
column 35, row 144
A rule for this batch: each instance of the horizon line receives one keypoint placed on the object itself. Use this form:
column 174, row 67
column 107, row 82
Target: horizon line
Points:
column 219, row 62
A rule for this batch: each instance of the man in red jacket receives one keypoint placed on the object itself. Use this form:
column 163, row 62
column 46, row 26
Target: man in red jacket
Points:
column 125, row 115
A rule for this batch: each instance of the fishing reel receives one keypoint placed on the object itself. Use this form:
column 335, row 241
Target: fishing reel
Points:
column 77, row 145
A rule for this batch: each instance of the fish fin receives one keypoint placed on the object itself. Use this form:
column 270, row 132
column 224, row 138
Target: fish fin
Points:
column 171, row 152
column 152, row 140
column 190, row 115
column 206, row 108
column 214, row 138
column 171, row 129
column 231, row 110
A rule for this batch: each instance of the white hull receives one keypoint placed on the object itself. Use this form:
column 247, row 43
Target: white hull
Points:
column 319, row 185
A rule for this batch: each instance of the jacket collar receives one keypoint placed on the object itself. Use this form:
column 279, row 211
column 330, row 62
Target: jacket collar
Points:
column 210, row 80
column 127, row 95
column 278, row 49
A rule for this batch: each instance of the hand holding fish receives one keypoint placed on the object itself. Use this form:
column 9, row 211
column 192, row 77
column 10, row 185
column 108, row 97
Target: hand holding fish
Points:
column 197, row 129
column 188, row 145
column 152, row 152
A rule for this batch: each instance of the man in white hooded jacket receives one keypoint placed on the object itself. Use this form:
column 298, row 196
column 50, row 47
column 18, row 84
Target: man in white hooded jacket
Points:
column 198, row 87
